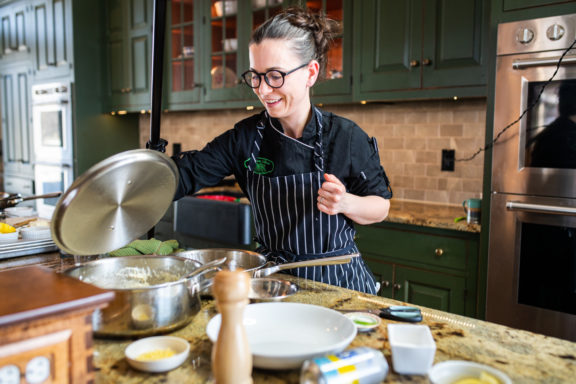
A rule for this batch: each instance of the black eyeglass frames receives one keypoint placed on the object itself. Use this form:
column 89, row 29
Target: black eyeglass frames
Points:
column 274, row 78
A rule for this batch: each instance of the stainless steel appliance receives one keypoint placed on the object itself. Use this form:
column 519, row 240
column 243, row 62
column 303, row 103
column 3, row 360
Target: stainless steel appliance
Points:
column 532, row 252
column 52, row 134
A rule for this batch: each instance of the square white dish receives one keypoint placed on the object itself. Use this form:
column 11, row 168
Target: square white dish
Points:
column 413, row 348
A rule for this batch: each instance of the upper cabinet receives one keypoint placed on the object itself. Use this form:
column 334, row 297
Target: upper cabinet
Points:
column 129, row 43
column 52, row 37
column 15, row 29
column 388, row 50
column 421, row 48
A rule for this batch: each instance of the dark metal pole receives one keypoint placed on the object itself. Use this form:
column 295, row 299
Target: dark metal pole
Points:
column 158, row 33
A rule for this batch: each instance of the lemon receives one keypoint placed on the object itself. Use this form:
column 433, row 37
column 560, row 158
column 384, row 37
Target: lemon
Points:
column 468, row 380
column 5, row 228
column 487, row 378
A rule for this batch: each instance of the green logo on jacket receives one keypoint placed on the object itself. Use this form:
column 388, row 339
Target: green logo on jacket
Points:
column 263, row 165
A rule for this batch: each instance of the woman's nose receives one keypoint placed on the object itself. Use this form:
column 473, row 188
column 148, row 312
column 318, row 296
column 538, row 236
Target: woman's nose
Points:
column 264, row 88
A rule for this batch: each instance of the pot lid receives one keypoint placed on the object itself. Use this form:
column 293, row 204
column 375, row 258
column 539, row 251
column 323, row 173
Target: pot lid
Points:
column 114, row 202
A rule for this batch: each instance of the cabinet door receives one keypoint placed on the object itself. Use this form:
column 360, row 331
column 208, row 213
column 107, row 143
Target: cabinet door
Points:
column 15, row 24
column 389, row 44
column 52, row 37
column 430, row 289
column 16, row 122
column 338, row 78
column 184, row 53
column 383, row 273
column 454, row 37
column 129, row 53
column 229, row 30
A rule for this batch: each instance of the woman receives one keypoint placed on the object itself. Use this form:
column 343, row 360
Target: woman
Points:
column 308, row 174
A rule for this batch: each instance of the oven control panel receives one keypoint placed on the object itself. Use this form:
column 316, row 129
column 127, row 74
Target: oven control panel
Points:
column 37, row 370
column 543, row 34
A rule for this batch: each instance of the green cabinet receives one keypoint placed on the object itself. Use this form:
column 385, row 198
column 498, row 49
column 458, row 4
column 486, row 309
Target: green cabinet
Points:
column 420, row 48
column 129, row 44
column 15, row 108
column 15, row 32
column 52, row 38
column 432, row 267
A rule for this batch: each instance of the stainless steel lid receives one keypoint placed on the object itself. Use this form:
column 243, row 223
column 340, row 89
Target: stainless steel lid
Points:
column 114, row 202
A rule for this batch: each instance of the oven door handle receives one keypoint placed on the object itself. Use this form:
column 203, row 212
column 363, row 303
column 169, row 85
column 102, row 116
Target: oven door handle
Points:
column 540, row 208
column 526, row 63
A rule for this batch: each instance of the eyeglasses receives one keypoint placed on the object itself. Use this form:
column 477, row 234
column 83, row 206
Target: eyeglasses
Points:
column 274, row 78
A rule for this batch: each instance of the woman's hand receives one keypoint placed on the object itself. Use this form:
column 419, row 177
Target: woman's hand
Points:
column 333, row 199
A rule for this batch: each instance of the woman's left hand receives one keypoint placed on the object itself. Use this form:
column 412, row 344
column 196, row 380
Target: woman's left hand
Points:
column 333, row 199
column 332, row 195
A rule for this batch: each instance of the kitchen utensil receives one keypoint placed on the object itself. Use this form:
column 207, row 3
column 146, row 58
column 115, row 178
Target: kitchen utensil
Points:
column 307, row 263
column 13, row 199
column 152, row 293
column 266, row 289
column 413, row 348
column 114, row 202
column 284, row 335
column 448, row 372
column 146, row 354
column 394, row 312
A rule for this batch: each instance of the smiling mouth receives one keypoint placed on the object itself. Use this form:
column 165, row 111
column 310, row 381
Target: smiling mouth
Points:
column 272, row 102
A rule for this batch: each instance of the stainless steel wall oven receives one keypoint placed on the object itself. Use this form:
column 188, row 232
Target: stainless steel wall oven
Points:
column 532, row 251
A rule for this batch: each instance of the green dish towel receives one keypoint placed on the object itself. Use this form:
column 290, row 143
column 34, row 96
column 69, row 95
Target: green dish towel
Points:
column 147, row 247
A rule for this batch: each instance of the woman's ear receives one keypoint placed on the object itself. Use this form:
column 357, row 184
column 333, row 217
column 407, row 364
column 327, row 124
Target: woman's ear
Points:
column 313, row 73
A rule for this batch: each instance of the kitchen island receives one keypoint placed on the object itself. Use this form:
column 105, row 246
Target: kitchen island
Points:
column 526, row 357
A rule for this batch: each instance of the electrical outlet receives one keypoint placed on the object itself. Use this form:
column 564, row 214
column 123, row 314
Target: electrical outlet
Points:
column 448, row 156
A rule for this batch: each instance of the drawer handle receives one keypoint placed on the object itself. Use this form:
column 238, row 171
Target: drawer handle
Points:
column 385, row 284
column 397, row 286
column 414, row 63
column 438, row 251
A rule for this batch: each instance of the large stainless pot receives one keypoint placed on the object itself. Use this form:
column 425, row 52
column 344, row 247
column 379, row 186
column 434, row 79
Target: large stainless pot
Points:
column 152, row 293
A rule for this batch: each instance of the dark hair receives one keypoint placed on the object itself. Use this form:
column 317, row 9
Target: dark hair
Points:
column 309, row 34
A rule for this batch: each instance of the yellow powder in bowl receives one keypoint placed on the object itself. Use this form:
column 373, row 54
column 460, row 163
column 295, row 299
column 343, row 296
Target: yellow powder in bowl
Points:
column 156, row 354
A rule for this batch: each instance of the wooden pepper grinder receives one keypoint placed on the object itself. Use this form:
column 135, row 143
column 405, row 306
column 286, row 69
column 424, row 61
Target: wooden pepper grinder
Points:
column 231, row 356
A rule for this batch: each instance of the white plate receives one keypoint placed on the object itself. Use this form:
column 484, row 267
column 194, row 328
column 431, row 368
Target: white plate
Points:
column 179, row 346
column 283, row 335
column 447, row 372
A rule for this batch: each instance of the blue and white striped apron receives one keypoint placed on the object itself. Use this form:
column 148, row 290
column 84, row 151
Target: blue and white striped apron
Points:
column 289, row 227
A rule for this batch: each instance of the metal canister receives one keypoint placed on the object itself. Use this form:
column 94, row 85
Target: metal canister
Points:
column 359, row 366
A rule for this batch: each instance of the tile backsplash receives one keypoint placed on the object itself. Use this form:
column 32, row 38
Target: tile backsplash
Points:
column 411, row 136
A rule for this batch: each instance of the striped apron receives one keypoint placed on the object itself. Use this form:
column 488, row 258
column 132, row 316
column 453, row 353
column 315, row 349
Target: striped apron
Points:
column 289, row 227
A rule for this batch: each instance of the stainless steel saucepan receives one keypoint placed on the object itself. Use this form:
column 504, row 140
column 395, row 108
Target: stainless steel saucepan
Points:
column 153, row 294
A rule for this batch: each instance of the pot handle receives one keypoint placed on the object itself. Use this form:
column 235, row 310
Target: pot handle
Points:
column 213, row 265
column 344, row 259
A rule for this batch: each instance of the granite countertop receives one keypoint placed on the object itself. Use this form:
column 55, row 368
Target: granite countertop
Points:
column 420, row 213
column 524, row 356
column 429, row 215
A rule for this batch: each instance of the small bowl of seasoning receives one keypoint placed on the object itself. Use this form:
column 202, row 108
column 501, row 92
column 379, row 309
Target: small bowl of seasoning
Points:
column 364, row 321
column 157, row 354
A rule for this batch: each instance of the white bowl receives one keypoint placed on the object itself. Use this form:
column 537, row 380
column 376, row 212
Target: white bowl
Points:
column 413, row 348
column 19, row 211
column 36, row 233
column 284, row 335
column 9, row 237
column 225, row 6
column 447, row 372
column 179, row 346
column 230, row 44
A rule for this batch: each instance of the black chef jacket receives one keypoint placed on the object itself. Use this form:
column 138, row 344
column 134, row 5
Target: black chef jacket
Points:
column 349, row 153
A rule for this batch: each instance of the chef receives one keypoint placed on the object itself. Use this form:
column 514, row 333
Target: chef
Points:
column 309, row 174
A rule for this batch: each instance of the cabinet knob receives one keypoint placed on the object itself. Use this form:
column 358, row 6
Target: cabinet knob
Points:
column 385, row 284
column 438, row 251
column 426, row 62
column 414, row 63
column 397, row 286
